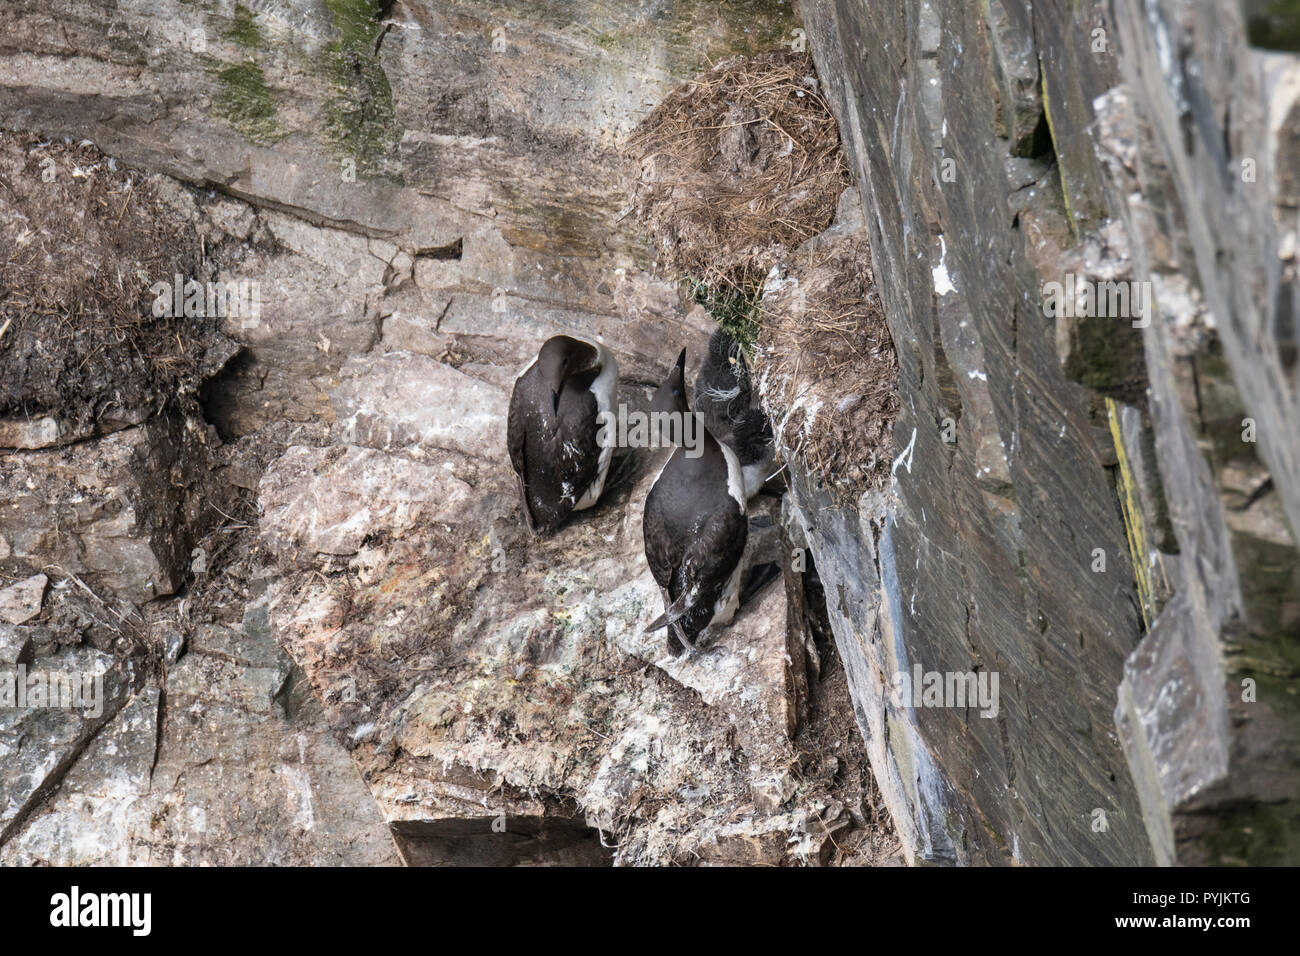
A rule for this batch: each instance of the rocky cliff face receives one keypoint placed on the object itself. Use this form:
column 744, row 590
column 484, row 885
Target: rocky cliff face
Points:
column 291, row 550
column 1098, row 509
column 419, row 196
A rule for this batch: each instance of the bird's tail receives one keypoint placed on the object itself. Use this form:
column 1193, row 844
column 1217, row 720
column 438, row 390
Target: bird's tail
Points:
column 671, row 619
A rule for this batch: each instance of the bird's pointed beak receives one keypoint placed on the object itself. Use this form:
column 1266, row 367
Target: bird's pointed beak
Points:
column 555, row 401
column 681, row 362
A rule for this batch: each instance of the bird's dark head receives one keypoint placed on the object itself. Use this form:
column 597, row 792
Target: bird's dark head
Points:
column 672, row 421
column 560, row 357
column 671, row 395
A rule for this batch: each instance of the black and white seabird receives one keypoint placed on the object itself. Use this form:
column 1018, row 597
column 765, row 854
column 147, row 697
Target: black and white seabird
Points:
column 724, row 395
column 695, row 526
column 552, row 429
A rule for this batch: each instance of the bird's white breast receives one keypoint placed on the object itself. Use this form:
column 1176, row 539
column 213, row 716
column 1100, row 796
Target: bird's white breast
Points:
column 735, row 476
column 605, row 388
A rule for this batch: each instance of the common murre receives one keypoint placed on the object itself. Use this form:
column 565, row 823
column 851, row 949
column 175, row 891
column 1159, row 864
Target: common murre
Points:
column 552, row 427
column 695, row 528
column 724, row 395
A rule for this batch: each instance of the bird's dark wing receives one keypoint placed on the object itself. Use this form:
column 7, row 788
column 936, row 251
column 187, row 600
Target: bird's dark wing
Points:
column 662, row 548
column 694, row 572
column 711, row 557
column 577, row 446
column 517, row 425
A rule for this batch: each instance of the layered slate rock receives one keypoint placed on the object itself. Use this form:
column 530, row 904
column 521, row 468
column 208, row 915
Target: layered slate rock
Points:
column 982, row 560
column 1199, row 164
column 999, row 149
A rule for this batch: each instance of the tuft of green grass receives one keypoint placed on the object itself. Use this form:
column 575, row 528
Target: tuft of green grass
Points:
column 735, row 308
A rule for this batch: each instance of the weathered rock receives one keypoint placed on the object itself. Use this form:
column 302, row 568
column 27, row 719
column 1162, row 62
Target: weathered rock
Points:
column 980, row 561
column 483, row 216
column 114, row 510
column 395, row 399
column 80, row 689
column 417, row 224
column 480, row 177
column 329, row 501
column 236, row 751
column 1208, row 210
column 22, row 601
column 15, row 647
column 39, row 433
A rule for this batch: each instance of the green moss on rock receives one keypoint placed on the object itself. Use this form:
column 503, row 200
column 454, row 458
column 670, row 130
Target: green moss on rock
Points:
column 1106, row 354
column 360, row 120
column 1273, row 24
column 1255, row 834
column 243, row 29
column 244, row 100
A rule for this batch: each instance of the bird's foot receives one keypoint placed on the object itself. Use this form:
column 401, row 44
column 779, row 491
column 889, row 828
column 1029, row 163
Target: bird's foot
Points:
column 679, row 645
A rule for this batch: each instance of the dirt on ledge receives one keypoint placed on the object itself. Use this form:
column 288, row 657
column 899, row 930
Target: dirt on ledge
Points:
column 82, row 239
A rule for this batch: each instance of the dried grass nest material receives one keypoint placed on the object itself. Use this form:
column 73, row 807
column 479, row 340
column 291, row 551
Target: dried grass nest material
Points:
column 737, row 166
column 741, row 173
column 826, row 368
column 81, row 240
